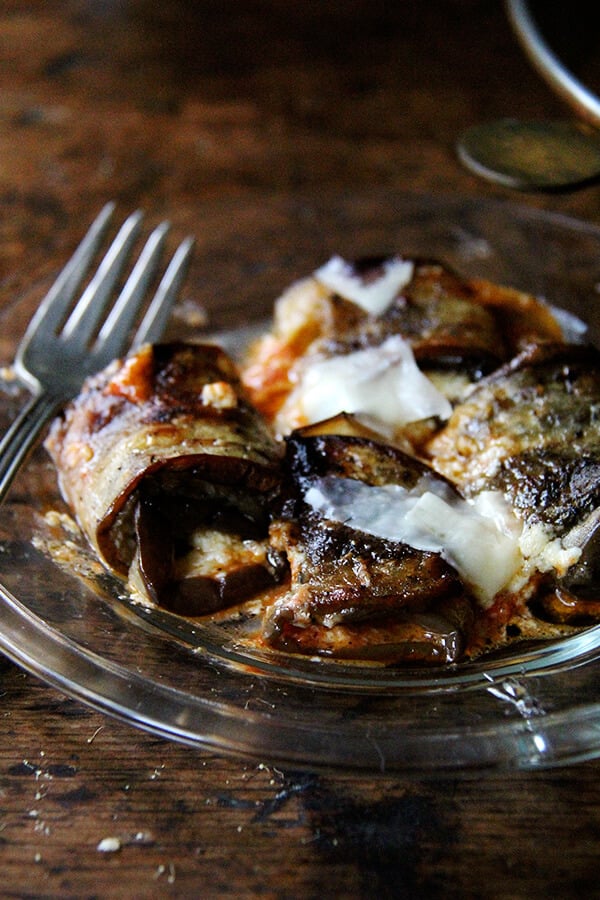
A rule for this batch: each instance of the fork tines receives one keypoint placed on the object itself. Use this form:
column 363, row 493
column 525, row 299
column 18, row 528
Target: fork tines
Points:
column 57, row 314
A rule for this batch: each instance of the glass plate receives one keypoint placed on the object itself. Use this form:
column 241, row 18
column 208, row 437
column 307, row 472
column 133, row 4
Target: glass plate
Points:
column 65, row 620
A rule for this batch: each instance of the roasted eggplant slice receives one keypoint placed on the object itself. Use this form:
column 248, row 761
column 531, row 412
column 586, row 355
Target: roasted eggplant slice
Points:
column 158, row 448
column 457, row 329
column 532, row 431
column 437, row 312
column 427, row 639
column 354, row 594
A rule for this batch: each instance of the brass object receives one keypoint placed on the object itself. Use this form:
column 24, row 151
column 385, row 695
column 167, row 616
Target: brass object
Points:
column 539, row 155
column 532, row 155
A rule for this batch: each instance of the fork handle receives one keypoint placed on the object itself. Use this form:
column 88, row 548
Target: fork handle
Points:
column 22, row 435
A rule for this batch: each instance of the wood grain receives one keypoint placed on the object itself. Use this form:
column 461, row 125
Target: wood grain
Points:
column 176, row 107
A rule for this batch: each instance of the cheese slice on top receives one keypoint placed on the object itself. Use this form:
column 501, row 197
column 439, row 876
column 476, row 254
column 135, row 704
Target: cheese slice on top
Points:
column 383, row 383
column 374, row 295
column 479, row 539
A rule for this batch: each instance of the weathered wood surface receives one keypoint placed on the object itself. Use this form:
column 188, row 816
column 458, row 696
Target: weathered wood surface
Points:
column 172, row 107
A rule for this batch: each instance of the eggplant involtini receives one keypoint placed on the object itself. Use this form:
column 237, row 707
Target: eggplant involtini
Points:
column 405, row 469
column 169, row 471
column 357, row 593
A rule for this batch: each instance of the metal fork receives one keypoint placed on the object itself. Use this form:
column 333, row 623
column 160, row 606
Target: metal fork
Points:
column 63, row 344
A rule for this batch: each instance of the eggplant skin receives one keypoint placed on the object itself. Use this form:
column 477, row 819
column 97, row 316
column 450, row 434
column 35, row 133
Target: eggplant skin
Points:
column 552, row 487
column 171, row 416
column 438, row 312
column 531, row 430
column 338, row 571
column 418, row 640
column 355, row 595
column 312, row 453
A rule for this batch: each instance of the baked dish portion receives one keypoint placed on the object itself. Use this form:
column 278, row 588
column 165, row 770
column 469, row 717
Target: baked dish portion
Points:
column 404, row 470
column 171, row 474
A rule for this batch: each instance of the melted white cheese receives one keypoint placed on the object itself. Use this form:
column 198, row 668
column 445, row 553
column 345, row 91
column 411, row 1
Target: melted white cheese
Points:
column 383, row 383
column 374, row 296
column 480, row 539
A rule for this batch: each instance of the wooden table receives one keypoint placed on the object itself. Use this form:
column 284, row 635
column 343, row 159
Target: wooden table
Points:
column 177, row 107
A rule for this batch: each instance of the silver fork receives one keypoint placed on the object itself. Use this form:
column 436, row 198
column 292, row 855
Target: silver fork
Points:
column 63, row 344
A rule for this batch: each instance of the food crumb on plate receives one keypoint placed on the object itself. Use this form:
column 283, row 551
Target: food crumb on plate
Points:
column 109, row 845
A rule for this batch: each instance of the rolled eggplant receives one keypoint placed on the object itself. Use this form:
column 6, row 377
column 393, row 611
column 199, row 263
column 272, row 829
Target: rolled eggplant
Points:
column 355, row 594
column 355, row 313
column 170, row 473
column 531, row 430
